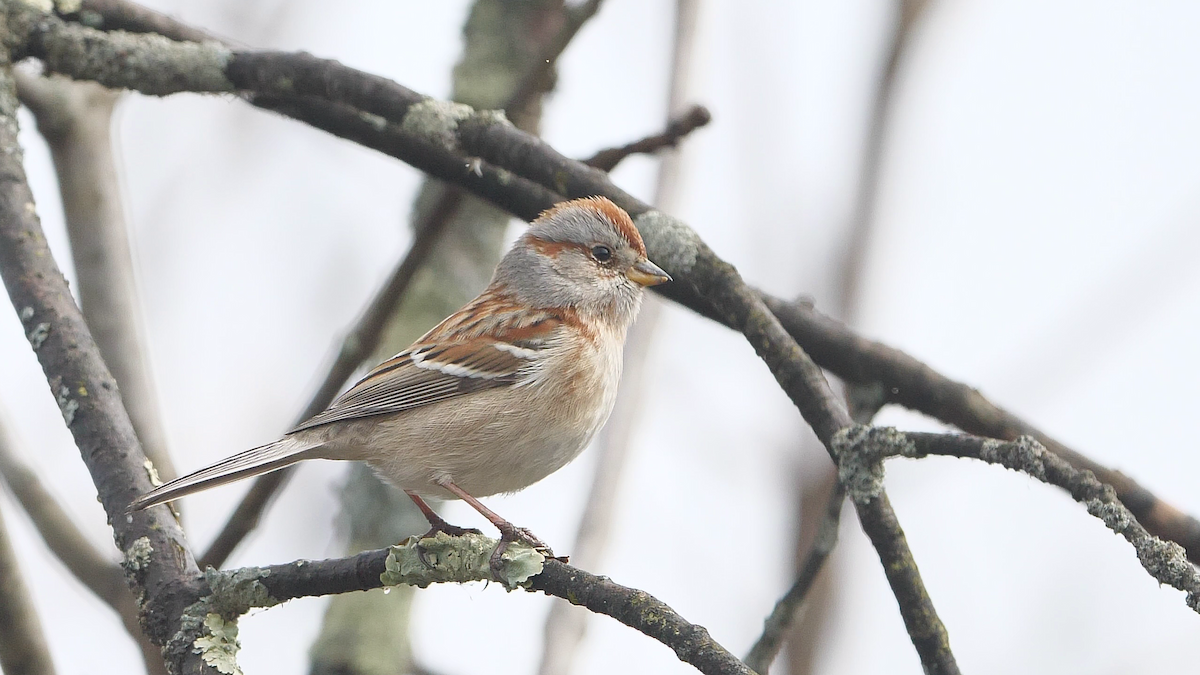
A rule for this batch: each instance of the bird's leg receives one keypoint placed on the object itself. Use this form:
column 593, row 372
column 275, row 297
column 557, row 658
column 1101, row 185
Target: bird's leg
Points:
column 508, row 532
column 436, row 524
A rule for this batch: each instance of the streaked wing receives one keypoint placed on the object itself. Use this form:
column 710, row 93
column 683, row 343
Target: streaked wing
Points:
column 461, row 355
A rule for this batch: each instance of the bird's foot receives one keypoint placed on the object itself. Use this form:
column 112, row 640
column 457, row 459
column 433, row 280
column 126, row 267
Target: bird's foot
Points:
column 510, row 534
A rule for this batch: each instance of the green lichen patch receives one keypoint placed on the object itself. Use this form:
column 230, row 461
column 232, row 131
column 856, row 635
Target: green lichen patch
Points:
column 148, row 63
column 218, row 646
column 670, row 243
column 233, row 593
column 137, row 556
column 436, row 121
column 459, row 559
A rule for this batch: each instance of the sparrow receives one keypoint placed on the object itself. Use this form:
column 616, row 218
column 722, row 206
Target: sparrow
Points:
column 499, row 395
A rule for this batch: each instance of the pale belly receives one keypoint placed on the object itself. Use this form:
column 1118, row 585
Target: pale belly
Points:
column 488, row 442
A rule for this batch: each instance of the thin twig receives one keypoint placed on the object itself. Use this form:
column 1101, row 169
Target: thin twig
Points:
column 677, row 128
column 870, row 169
column 863, row 403
column 846, row 277
column 22, row 644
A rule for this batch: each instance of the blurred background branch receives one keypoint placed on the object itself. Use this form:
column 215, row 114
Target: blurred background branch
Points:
column 23, row 647
column 75, row 118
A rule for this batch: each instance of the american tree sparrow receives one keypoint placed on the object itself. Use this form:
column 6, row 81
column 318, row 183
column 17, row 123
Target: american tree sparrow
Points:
column 499, row 395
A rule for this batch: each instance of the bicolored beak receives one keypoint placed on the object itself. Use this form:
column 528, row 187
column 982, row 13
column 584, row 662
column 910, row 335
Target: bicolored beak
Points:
column 647, row 273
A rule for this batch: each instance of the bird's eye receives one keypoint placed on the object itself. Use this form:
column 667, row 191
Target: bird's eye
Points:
column 602, row 253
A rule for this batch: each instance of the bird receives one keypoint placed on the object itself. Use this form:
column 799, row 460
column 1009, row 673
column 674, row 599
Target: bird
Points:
column 500, row 394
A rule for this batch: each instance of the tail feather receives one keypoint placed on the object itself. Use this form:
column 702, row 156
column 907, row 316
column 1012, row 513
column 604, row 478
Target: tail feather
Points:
column 260, row 460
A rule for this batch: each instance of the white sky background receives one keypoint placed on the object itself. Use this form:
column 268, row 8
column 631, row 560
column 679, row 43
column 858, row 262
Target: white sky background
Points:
column 1035, row 238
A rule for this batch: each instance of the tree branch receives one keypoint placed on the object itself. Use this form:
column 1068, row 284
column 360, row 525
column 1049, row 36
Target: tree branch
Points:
column 233, row 592
column 870, row 169
column 864, row 403
column 913, row 384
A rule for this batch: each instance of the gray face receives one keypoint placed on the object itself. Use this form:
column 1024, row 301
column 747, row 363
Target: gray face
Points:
column 575, row 257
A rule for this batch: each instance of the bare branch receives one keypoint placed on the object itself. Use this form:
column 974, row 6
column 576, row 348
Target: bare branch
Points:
column 677, row 128
column 870, row 171
column 864, row 403
column 22, row 645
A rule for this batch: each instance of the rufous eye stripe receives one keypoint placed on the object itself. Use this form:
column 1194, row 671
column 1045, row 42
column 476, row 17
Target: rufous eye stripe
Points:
column 603, row 207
